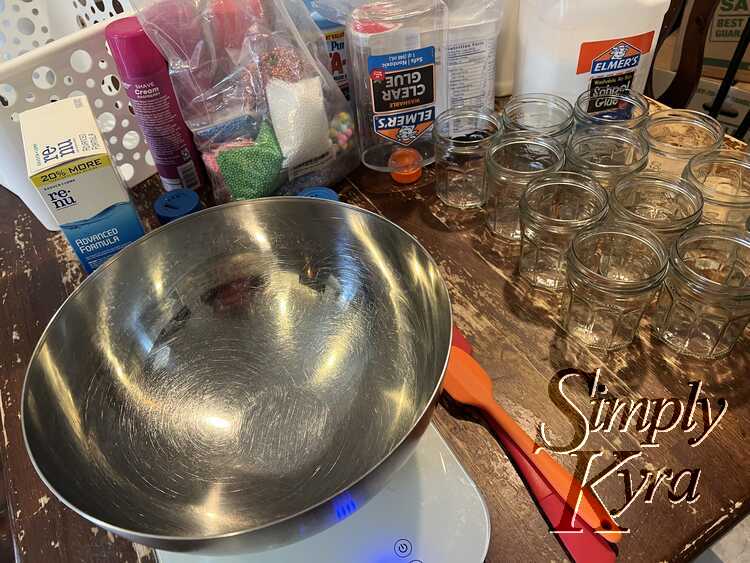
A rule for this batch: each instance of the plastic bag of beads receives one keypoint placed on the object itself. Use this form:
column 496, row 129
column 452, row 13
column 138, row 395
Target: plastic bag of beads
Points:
column 253, row 86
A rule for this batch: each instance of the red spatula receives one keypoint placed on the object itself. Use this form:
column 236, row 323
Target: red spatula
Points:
column 583, row 546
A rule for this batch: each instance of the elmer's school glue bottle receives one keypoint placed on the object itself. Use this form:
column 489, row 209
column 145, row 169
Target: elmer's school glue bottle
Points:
column 566, row 47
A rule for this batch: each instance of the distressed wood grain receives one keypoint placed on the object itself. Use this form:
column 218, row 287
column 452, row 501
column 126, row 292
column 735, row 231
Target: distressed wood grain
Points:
column 517, row 338
column 37, row 271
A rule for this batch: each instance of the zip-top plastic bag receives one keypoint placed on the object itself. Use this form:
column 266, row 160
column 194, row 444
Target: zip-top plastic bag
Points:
column 253, row 88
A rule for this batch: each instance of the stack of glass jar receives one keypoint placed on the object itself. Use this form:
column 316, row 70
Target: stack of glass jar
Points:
column 612, row 206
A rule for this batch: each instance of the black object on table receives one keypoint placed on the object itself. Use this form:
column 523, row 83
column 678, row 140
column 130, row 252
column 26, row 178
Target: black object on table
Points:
column 726, row 83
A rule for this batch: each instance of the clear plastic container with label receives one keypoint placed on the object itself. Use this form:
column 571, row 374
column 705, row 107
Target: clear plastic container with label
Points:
column 567, row 47
column 397, row 52
column 471, row 51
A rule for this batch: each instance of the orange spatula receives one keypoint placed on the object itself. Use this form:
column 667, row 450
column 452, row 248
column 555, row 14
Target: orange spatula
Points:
column 468, row 383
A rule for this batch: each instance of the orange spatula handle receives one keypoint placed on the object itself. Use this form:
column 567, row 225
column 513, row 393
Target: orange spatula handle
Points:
column 558, row 478
column 590, row 509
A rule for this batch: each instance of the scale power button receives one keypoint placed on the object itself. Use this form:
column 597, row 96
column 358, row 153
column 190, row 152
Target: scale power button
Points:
column 402, row 548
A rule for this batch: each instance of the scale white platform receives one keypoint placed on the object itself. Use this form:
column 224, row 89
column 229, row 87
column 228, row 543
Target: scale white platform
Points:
column 430, row 512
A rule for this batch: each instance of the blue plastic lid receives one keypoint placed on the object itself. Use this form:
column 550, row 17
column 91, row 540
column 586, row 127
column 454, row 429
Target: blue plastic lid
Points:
column 175, row 204
column 320, row 192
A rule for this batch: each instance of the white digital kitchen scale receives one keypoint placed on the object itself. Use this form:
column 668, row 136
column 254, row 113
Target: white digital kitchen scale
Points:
column 430, row 512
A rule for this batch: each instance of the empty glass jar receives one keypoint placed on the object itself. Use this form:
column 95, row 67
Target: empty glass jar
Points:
column 512, row 162
column 668, row 206
column 724, row 178
column 614, row 270
column 674, row 136
column 606, row 152
column 705, row 303
column 544, row 114
column 627, row 108
column 553, row 209
column 462, row 137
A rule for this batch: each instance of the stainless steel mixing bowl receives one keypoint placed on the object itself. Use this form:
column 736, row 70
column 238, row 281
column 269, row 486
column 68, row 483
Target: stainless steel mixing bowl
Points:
column 240, row 378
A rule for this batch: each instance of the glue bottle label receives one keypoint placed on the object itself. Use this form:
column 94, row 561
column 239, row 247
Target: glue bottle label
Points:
column 403, row 94
column 612, row 65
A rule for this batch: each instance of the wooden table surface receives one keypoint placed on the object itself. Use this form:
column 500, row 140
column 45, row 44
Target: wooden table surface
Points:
column 516, row 337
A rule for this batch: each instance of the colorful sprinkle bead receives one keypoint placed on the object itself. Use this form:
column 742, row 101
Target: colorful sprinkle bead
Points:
column 282, row 63
column 341, row 130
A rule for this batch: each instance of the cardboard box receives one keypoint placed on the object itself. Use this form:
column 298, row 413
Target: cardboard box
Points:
column 733, row 110
column 69, row 164
column 724, row 33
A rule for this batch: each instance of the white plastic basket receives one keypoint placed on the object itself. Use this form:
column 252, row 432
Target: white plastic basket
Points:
column 74, row 64
column 28, row 24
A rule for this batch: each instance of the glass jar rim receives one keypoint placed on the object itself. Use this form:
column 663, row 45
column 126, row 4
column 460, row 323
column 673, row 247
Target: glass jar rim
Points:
column 635, row 98
column 668, row 183
column 684, row 117
column 694, row 279
column 518, row 137
column 515, row 102
column 630, row 230
column 463, row 112
column 585, row 183
column 628, row 136
column 720, row 156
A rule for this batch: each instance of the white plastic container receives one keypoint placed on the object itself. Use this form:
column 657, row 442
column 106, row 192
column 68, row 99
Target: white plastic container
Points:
column 473, row 27
column 567, row 46
column 505, row 60
column 32, row 73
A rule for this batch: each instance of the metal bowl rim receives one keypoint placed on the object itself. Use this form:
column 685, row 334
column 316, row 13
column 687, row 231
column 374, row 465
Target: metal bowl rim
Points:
column 228, row 535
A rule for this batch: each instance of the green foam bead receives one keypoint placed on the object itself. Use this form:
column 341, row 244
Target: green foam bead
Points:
column 252, row 172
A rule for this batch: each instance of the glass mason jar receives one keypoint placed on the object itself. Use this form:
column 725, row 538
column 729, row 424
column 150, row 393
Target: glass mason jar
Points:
column 512, row 162
column 462, row 137
column 626, row 108
column 544, row 114
column 674, row 136
column 606, row 152
column 724, row 178
column 668, row 206
column 705, row 303
column 553, row 209
column 614, row 270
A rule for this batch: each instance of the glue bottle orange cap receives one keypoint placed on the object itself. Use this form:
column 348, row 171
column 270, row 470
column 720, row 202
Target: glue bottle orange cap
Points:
column 406, row 165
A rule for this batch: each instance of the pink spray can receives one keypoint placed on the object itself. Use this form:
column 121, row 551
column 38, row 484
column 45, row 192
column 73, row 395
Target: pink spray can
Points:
column 145, row 76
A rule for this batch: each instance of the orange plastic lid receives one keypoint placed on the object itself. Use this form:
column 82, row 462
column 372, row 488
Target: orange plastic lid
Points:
column 406, row 165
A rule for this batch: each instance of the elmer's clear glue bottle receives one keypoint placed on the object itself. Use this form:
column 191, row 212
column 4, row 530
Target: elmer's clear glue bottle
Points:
column 397, row 51
column 566, row 47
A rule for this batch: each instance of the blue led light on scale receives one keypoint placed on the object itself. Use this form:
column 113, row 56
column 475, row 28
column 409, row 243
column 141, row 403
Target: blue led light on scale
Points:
column 429, row 512
column 344, row 506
